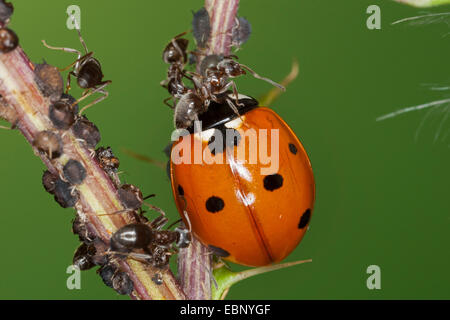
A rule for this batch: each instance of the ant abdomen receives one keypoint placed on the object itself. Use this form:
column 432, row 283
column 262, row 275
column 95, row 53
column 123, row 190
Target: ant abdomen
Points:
column 90, row 74
column 131, row 236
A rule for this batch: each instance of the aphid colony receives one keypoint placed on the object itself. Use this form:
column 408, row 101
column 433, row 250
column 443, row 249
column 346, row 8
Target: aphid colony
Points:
column 143, row 239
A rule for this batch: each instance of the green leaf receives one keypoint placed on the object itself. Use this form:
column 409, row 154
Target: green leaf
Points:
column 225, row 278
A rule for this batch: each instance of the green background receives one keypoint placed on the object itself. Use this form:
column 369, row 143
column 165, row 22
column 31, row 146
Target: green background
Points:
column 382, row 195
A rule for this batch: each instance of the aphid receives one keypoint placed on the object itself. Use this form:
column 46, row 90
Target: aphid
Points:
column 82, row 257
column 201, row 27
column 8, row 40
column 49, row 81
column 84, row 233
column 7, row 113
column 88, row 72
column 130, row 196
column 74, row 172
column 62, row 114
column 116, row 279
column 65, row 195
column 48, row 181
column 87, row 131
column 240, row 32
column 49, row 143
column 6, row 10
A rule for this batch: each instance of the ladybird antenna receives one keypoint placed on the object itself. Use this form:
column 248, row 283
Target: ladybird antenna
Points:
column 257, row 76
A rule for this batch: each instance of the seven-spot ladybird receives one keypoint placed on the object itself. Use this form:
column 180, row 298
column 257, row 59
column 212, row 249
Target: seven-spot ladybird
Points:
column 243, row 213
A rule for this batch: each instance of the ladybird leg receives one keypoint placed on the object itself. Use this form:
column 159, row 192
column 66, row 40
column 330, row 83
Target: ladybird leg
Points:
column 98, row 89
column 257, row 76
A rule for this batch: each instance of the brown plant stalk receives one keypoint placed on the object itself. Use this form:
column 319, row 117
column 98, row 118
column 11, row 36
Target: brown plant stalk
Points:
column 27, row 109
column 194, row 262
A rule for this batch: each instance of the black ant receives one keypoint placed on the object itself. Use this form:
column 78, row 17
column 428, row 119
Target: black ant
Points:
column 156, row 244
column 87, row 70
column 212, row 84
column 175, row 54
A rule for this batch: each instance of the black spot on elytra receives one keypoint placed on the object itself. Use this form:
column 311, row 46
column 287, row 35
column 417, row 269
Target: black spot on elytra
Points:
column 216, row 147
column 230, row 139
column 214, row 204
column 218, row 251
column 304, row 219
column 234, row 137
column 180, row 190
column 292, row 148
column 273, row 182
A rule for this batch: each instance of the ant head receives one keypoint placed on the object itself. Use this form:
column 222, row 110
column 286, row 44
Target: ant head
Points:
column 231, row 67
column 209, row 62
column 8, row 40
column 184, row 237
column 175, row 51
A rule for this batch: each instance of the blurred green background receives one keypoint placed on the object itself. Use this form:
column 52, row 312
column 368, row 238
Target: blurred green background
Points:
column 382, row 195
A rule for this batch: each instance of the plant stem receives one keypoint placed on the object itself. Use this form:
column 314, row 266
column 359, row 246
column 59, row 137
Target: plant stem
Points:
column 194, row 262
column 98, row 194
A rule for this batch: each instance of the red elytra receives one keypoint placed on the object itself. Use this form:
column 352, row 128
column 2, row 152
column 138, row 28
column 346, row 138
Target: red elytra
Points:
column 245, row 216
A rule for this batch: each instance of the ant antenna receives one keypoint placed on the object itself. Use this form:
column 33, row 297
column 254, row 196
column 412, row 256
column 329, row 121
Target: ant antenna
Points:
column 77, row 26
column 257, row 76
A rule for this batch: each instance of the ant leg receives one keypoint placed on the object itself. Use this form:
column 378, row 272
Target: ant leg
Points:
column 116, row 212
column 159, row 222
column 68, row 81
column 5, row 128
column 167, row 104
column 236, row 94
column 155, row 208
column 98, row 89
column 142, row 257
column 257, row 76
